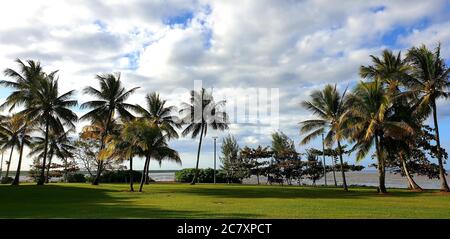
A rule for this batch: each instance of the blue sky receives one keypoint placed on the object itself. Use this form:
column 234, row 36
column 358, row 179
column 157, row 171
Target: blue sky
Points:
column 294, row 46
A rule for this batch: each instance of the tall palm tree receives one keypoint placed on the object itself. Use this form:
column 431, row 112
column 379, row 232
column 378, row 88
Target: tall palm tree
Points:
column 150, row 141
column 52, row 110
column 58, row 145
column 110, row 100
column 429, row 81
column 199, row 114
column 330, row 107
column 370, row 126
column 24, row 84
column 392, row 71
column 157, row 112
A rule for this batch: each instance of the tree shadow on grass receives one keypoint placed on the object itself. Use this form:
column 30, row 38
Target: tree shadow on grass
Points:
column 53, row 201
column 289, row 192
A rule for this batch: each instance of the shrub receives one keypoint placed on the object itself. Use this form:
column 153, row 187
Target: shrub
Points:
column 204, row 176
column 76, row 178
column 120, row 176
column 7, row 180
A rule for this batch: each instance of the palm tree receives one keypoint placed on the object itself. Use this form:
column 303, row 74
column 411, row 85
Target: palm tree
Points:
column 26, row 81
column 51, row 110
column 110, row 101
column 390, row 70
column 429, row 81
column 10, row 132
column 330, row 107
column 150, row 142
column 58, row 145
column 202, row 112
column 369, row 105
column 157, row 111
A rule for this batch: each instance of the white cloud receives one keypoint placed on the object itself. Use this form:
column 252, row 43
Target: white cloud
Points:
column 296, row 46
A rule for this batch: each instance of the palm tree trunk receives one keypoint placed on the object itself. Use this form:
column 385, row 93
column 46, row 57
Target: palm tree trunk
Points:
column 147, row 161
column 334, row 171
column 198, row 156
column 9, row 162
column 442, row 174
column 147, row 175
column 1, row 166
column 102, row 146
column 412, row 183
column 42, row 176
column 344, row 181
column 65, row 170
column 381, row 167
column 98, row 173
column 19, row 164
column 257, row 171
column 48, row 167
column 131, row 175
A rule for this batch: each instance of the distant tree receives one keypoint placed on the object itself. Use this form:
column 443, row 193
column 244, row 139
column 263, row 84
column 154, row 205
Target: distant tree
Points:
column 59, row 146
column 232, row 163
column 314, row 168
column 85, row 153
column 251, row 157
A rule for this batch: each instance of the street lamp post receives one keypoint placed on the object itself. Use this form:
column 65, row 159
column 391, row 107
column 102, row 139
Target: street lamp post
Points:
column 214, row 158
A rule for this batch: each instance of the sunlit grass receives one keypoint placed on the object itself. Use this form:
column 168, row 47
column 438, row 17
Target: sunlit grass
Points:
column 216, row 201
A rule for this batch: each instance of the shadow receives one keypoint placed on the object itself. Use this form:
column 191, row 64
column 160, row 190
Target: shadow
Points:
column 84, row 201
column 290, row 192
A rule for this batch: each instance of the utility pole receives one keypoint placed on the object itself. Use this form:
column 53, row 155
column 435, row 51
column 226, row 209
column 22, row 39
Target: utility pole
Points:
column 215, row 137
column 324, row 163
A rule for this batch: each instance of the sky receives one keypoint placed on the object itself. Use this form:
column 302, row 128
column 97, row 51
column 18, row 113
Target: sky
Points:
column 286, row 47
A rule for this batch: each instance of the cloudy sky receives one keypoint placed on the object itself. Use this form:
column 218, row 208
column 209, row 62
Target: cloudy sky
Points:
column 230, row 46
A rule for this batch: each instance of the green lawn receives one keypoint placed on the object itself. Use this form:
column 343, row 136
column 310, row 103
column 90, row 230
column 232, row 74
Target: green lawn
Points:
column 215, row 201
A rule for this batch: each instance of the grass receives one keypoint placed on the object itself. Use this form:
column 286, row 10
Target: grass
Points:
column 216, row 201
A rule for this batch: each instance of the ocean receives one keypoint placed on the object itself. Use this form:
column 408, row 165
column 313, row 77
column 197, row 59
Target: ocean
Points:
column 363, row 178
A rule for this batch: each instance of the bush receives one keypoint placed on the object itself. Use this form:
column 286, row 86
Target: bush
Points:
column 76, row 178
column 204, row 176
column 7, row 180
column 120, row 176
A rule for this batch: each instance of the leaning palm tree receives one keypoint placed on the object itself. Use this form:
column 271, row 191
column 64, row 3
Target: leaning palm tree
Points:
column 370, row 126
column 330, row 107
column 157, row 112
column 199, row 114
column 51, row 110
column 110, row 100
column 58, row 145
column 150, row 141
column 429, row 81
